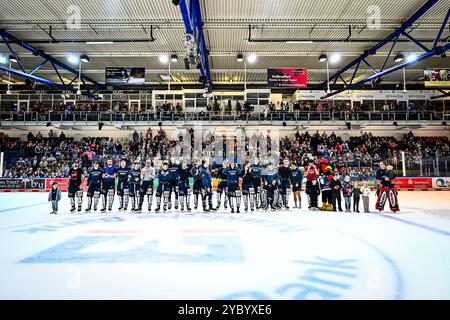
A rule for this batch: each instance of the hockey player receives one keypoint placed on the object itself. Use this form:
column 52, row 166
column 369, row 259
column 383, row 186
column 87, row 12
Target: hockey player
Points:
column 123, row 187
column 234, row 191
column 76, row 176
column 163, row 189
column 184, row 172
column 248, row 189
column 386, row 189
column 270, row 179
column 284, row 187
column 222, row 185
column 297, row 180
column 205, row 177
column 257, row 168
column 146, row 189
column 94, row 182
column 109, row 187
column 173, row 183
column 197, row 186
column 135, row 184
column 311, row 172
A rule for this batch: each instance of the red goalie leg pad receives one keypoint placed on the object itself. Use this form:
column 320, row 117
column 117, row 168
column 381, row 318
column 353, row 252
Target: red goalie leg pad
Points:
column 382, row 198
column 393, row 200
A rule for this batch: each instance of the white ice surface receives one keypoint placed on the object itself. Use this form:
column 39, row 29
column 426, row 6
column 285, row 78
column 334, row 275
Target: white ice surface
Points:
column 285, row 255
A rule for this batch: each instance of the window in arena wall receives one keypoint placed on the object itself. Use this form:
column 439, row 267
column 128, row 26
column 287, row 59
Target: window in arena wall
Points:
column 8, row 106
column 379, row 104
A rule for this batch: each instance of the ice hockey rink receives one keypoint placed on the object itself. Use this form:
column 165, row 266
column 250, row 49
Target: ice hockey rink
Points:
column 283, row 255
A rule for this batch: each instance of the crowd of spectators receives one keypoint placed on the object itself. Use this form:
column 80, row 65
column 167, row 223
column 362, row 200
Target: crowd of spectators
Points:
column 51, row 156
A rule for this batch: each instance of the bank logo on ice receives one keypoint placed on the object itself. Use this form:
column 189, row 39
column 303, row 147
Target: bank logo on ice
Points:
column 142, row 248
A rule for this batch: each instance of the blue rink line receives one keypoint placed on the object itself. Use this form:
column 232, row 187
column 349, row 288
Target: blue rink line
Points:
column 418, row 225
column 23, row 207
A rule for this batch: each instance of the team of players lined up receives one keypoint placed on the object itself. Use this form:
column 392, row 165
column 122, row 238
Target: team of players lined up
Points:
column 262, row 187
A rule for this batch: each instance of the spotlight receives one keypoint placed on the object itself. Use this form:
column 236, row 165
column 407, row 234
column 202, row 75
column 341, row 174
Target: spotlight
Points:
column 84, row 58
column 335, row 58
column 48, row 124
column 240, row 57
column 284, row 124
column 176, row 2
column 159, row 124
column 444, row 123
column 323, row 58
column 73, row 59
column 412, row 57
column 399, row 58
column 174, row 58
column 395, row 124
column 443, row 55
column 100, row 126
column 251, row 58
column 12, row 58
column 163, row 58
column 349, row 125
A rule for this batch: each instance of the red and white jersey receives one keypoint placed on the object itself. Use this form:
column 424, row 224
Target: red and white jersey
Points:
column 311, row 172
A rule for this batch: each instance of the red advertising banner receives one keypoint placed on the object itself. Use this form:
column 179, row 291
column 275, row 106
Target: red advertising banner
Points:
column 62, row 183
column 287, row 78
column 416, row 183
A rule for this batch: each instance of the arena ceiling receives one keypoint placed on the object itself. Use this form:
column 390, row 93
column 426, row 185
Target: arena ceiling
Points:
column 323, row 23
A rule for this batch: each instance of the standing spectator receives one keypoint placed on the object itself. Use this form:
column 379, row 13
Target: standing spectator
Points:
column 336, row 187
column 365, row 190
column 356, row 196
column 347, row 190
column 135, row 136
column 311, row 172
column 30, row 137
column 54, row 196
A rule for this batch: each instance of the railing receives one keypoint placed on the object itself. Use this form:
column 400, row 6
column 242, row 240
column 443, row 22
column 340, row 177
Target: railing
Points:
column 326, row 117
